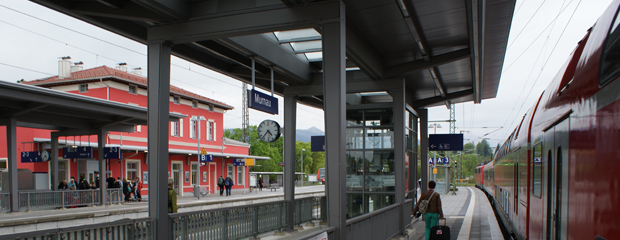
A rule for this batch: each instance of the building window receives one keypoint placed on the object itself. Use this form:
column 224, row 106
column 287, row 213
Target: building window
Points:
column 2, row 168
column 195, row 104
column 240, row 175
column 211, row 130
column 211, row 108
column 174, row 129
column 176, row 99
column 537, row 174
column 195, row 176
column 193, row 128
column 133, row 170
column 84, row 87
column 132, row 89
column 230, row 172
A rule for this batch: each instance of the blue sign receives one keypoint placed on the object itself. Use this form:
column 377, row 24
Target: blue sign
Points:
column 317, row 143
column 28, row 157
column 439, row 160
column 238, row 162
column 77, row 152
column 431, row 161
column 445, row 142
column 537, row 160
column 111, row 153
column 446, row 161
column 262, row 102
column 280, row 164
column 206, row 158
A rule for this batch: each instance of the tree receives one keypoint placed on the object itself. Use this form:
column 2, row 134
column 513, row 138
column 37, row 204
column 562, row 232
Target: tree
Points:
column 483, row 149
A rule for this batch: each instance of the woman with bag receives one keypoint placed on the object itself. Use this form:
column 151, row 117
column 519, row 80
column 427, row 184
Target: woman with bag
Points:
column 429, row 207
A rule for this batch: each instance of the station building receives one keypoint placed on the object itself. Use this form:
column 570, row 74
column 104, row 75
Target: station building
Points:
column 202, row 128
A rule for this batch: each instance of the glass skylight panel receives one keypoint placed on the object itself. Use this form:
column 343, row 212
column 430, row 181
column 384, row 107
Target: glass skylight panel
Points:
column 297, row 35
column 314, row 56
column 305, row 47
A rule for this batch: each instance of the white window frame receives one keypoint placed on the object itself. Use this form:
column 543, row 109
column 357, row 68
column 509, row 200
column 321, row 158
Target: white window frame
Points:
column 133, row 89
column 174, row 128
column 230, row 172
column 128, row 161
column 176, row 99
column 192, row 171
column 211, row 130
column 83, row 87
column 241, row 175
column 193, row 127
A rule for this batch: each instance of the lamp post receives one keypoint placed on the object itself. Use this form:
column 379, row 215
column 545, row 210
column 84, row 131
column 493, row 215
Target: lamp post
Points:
column 302, row 166
column 434, row 126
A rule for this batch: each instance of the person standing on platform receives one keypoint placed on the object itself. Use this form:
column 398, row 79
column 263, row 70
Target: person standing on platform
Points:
column 63, row 185
column 71, row 185
column 228, row 183
column 220, row 185
column 432, row 202
column 172, row 197
column 126, row 189
column 260, row 184
column 110, row 181
column 97, row 186
column 138, row 188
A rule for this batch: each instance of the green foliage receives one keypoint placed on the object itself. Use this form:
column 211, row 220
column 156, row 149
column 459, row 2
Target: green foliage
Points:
column 483, row 150
column 312, row 160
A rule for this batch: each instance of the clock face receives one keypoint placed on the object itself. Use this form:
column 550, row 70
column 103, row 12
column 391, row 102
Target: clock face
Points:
column 269, row 130
column 45, row 155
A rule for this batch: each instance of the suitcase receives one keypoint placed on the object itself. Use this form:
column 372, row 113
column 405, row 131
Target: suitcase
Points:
column 440, row 232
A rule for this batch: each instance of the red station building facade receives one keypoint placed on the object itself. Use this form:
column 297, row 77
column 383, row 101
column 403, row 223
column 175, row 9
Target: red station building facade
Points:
column 201, row 129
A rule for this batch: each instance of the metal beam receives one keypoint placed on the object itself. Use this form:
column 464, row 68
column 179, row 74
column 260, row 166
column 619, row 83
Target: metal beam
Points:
column 423, row 148
column 290, row 119
column 352, row 87
column 158, row 116
column 438, row 80
column 418, row 65
column 108, row 124
column 128, row 11
column 178, row 9
column 334, row 87
column 438, row 99
column 102, row 168
column 28, row 108
column 360, row 51
column 241, row 23
column 11, row 147
column 399, row 154
column 413, row 23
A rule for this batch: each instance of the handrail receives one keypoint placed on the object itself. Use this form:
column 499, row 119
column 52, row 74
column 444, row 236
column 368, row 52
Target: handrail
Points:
column 372, row 214
column 126, row 228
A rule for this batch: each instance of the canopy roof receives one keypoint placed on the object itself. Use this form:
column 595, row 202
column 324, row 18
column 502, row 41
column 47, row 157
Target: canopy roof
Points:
column 447, row 51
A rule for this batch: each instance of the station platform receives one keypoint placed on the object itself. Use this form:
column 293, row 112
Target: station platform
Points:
column 18, row 222
column 468, row 214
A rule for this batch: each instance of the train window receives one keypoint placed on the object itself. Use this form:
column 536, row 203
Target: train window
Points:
column 609, row 67
column 537, row 171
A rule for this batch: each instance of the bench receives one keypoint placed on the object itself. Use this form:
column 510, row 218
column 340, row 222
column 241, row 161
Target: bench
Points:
column 274, row 186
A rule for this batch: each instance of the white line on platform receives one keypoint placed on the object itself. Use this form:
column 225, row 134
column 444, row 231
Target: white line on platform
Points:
column 466, row 227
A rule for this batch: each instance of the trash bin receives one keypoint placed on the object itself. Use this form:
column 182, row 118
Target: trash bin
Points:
column 197, row 191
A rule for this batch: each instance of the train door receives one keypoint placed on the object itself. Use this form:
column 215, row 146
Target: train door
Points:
column 556, row 152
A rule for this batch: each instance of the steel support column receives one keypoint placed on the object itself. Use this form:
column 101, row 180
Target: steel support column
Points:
column 11, row 147
column 102, row 167
column 54, row 162
column 290, row 119
column 158, row 117
column 424, row 148
column 399, row 152
column 334, row 90
column 413, row 163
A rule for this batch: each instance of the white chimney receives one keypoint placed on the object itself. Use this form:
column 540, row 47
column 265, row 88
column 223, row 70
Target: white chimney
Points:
column 64, row 67
column 77, row 66
column 137, row 71
column 122, row 66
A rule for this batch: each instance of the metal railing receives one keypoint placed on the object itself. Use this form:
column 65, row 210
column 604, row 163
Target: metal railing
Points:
column 244, row 221
column 63, row 199
column 134, row 229
column 381, row 222
column 4, row 201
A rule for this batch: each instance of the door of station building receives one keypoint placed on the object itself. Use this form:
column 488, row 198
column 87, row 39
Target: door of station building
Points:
column 177, row 169
column 555, row 147
column 213, row 179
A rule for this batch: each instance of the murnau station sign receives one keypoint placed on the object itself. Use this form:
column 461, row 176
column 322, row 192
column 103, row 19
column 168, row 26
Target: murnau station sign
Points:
column 262, row 102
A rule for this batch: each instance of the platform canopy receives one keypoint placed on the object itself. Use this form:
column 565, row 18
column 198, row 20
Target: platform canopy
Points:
column 43, row 108
column 447, row 51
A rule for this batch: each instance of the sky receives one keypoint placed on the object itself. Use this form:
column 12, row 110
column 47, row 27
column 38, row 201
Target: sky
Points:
column 542, row 36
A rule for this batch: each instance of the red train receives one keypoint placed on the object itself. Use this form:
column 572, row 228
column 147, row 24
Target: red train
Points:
column 557, row 175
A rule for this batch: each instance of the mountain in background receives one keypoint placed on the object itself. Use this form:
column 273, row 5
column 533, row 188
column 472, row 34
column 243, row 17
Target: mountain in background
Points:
column 303, row 135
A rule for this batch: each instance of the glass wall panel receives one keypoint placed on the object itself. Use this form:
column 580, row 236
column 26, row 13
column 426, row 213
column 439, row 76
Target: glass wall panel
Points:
column 379, row 171
column 355, row 138
column 355, row 118
column 379, row 117
column 377, row 138
column 355, row 171
column 355, row 205
column 378, row 201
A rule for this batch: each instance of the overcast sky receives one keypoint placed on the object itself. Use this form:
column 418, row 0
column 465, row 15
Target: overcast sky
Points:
column 542, row 36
